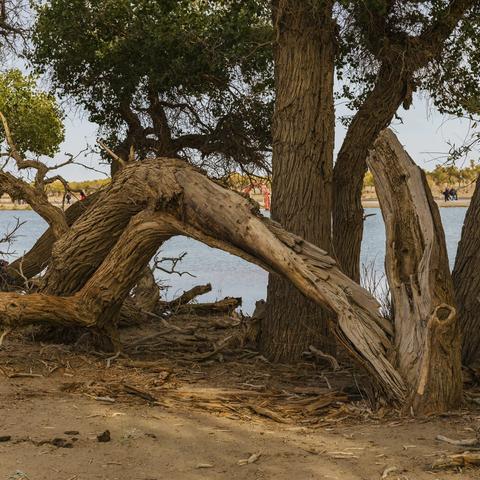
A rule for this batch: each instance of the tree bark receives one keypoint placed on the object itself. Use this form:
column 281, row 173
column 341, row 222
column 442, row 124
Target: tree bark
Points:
column 427, row 336
column 92, row 236
column 180, row 200
column 303, row 136
column 466, row 279
column 374, row 115
column 38, row 257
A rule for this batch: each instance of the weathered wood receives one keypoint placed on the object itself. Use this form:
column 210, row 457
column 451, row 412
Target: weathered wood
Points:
column 427, row 338
column 180, row 200
column 38, row 257
column 185, row 297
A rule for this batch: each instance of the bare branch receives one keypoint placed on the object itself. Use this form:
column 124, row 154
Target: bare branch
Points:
column 157, row 264
column 112, row 154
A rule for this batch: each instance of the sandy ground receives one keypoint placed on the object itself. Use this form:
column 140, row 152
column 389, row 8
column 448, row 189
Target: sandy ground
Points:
column 151, row 443
column 194, row 436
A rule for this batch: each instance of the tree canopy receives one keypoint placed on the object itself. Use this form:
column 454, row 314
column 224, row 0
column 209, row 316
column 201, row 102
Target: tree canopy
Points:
column 373, row 31
column 33, row 115
column 164, row 76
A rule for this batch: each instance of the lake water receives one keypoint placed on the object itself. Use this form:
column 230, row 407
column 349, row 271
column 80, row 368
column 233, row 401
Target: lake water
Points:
column 229, row 275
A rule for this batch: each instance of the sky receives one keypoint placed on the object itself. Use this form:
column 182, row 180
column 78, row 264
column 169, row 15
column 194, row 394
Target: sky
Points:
column 425, row 133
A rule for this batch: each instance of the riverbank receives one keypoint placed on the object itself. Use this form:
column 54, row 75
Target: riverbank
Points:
column 461, row 202
column 366, row 203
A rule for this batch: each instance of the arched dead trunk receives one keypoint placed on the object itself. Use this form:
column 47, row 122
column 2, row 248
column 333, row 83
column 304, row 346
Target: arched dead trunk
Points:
column 97, row 262
column 427, row 337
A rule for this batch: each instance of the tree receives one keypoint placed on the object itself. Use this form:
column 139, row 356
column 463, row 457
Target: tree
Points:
column 13, row 24
column 398, row 47
column 386, row 51
column 34, row 116
column 184, row 103
column 466, row 280
column 303, row 136
column 168, row 78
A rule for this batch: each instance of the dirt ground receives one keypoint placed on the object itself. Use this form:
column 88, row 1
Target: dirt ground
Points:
column 185, row 420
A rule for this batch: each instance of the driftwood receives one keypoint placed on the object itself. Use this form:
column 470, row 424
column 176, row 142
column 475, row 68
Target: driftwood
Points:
column 427, row 338
column 98, row 261
column 460, row 460
column 225, row 306
column 467, row 442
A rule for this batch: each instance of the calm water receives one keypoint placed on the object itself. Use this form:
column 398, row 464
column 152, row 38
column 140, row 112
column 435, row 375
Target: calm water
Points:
column 229, row 275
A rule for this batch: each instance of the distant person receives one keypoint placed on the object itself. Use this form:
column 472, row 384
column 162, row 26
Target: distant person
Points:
column 68, row 198
column 453, row 194
column 82, row 195
column 446, row 194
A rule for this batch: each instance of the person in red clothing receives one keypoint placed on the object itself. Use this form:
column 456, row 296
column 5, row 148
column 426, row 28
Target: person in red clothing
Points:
column 82, row 195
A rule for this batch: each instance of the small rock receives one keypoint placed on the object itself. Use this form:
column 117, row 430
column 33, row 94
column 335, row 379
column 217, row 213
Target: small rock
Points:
column 61, row 443
column 204, row 465
column 18, row 475
column 72, row 432
column 104, row 437
column 251, row 459
column 5, row 438
column 151, row 435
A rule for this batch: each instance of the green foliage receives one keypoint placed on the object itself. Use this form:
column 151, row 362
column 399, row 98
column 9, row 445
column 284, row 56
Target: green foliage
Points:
column 452, row 175
column 57, row 187
column 371, row 28
column 33, row 116
column 207, row 62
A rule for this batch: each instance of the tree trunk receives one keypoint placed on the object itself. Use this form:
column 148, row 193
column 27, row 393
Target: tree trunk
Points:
column 79, row 253
column 303, row 136
column 38, row 257
column 427, row 337
column 179, row 200
column 400, row 57
column 374, row 115
column 466, row 280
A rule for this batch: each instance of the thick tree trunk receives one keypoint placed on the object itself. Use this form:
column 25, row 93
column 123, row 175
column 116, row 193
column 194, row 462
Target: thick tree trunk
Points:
column 92, row 236
column 466, row 280
column 180, row 200
column 427, row 337
column 303, row 136
column 374, row 115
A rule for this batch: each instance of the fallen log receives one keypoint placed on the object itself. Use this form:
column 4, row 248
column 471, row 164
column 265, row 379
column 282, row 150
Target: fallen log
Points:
column 225, row 306
column 185, row 298
column 459, row 460
column 427, row 337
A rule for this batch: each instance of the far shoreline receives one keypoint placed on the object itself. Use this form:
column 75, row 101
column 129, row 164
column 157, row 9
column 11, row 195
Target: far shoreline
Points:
column 366, row 203
column 461, row 202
